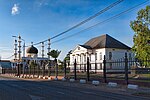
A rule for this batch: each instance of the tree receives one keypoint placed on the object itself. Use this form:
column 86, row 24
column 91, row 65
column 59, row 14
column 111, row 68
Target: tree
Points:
column 54, row 54
column 32, row 64
column 141, row 38
column 32, row 67
column 67, row 58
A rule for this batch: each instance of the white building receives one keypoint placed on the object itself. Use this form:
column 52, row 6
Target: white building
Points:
column 95, row 49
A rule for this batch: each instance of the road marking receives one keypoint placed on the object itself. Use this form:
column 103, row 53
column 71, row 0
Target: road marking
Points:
column 60, row 92
column 36, row 97
column 20, row 87
column 87, row 92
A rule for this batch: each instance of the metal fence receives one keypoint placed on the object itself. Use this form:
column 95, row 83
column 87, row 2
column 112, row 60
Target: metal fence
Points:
column 122, row 70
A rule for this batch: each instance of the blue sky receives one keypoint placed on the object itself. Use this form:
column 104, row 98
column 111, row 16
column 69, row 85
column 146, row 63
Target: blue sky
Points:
column 37, row 20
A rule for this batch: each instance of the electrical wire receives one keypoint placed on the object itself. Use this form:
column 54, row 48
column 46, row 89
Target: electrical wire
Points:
column 105, row 21
column 84, row 21
column 8, row 57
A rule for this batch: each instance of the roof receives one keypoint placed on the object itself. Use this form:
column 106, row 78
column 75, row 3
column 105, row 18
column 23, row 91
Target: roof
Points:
column 85, row 46
column 4, row 60
column 6, row 64
column 105, row 41
column 32, row 49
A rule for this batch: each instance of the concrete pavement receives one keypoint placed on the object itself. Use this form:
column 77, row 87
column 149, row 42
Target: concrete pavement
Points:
column 13, row 89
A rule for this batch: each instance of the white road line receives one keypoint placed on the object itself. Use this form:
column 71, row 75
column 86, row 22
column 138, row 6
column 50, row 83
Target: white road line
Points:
column 35, row 97
column 87, row 92
column 60, row 92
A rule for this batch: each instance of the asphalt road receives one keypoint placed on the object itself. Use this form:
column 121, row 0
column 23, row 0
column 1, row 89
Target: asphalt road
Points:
column 12, row 89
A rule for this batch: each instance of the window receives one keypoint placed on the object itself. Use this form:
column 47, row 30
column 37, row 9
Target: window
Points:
column 78, row 48
column 110, row 55
column 95, row 56
column 110, row 64
column 90, row 57
column 84, row 58
column 130, row 56
column 72, row 58
column 76, row 58
column 101, row 66
column 100, row 57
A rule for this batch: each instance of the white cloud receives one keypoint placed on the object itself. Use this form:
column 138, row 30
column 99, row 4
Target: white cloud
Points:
column 15, row 9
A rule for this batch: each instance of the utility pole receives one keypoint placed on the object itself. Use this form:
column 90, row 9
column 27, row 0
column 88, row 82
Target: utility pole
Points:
column 49, row 43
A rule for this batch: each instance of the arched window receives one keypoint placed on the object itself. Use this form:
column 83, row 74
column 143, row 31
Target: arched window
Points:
column 100, row 57
column 84, row 58
column 130, row 56
column 110, row 55
column 78, row 48
column 95, row 56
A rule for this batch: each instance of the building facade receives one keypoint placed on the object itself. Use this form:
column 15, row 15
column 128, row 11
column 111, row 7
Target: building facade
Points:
column 31, row 56
column 95, row 49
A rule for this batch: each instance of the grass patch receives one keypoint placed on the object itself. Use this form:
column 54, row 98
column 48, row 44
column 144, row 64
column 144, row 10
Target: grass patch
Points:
column 145, row 75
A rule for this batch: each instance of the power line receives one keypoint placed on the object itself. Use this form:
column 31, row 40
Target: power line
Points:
column 105, row 21
column 88, row 19
column 84, row 21
column 8, row 57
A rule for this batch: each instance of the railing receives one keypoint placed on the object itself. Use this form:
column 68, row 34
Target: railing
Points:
column 124, row 71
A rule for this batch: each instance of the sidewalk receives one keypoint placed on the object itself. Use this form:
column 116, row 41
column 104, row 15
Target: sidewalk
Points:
column 119, row 89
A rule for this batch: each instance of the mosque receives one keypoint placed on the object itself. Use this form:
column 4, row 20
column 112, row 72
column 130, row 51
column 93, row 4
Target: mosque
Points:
column 31, row 55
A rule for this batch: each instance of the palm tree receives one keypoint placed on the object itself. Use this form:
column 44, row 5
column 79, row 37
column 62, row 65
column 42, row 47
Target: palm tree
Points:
column 54, row 54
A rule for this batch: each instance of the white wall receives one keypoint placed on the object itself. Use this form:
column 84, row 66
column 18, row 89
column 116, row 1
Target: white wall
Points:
column 118, row 53
column 80, row 54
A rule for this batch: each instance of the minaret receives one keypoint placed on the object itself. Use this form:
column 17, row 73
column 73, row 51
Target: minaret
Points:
column 19, row 47
column 24, row 49
column 15, row 50
column 42, row 49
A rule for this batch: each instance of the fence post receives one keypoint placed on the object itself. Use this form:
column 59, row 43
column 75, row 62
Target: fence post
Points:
column 104, row 69
column 65, row 68
column 43, row 68
column 18, row 69
column 95, row 67
column 75, row 73
column 49, row 68
column 88, row 65
column 29, row 70
column 33, row 70
column 38, row 70
column 56, row 69
column 126, row 68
